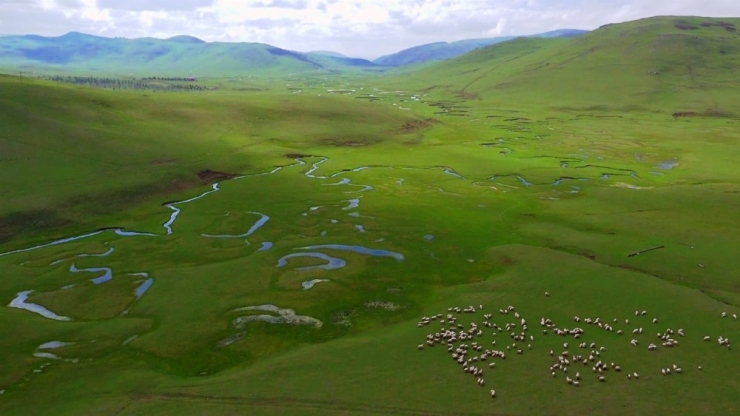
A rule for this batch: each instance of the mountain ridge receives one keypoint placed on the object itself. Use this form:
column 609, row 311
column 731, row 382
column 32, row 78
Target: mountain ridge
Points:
column 439, row 51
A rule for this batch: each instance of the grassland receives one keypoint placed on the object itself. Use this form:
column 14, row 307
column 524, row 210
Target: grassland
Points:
column 491, row 200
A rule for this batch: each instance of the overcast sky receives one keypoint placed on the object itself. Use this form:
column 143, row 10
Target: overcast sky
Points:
column 361, row 28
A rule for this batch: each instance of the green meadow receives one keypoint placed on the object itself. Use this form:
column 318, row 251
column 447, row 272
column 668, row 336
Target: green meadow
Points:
column 271, row 246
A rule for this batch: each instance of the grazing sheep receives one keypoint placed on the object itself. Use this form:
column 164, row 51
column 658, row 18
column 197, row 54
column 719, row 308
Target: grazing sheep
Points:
column 699, row 368
column 724, row 314
column 627, row 321
column 602, row 378
column 493, row 394
column 707, row 338
column 576, row 383
column 547, row 293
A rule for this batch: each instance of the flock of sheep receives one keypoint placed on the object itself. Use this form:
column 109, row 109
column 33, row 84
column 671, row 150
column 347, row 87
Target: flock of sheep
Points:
column 471, row 355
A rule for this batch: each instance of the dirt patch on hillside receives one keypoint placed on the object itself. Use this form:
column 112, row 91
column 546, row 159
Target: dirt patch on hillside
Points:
column 685, row 26
column 468, row 95
column 726, row 25
column 209, row 176
column 349, row 141
column 686, row 114
column 708, row 113
column 30, row 221
column 163, row 162
column 416, row 125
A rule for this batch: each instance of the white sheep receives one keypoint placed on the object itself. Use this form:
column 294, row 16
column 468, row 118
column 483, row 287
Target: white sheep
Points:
column 493, row 394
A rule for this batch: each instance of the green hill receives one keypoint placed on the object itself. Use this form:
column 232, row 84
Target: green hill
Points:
column 176, row 56
column 440, row 51
column 354, row 248
column 662, row 64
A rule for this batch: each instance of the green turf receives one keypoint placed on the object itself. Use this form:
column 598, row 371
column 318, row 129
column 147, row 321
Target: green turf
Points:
column 491, row 200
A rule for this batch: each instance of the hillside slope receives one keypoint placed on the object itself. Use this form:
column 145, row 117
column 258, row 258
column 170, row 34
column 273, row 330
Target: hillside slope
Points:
column 177, row 56
column 663, row 63
column 440, row 51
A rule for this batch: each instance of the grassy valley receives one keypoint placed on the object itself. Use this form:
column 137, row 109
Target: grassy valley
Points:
column 297, row 243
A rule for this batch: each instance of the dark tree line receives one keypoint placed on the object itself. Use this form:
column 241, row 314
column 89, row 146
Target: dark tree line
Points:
column 175, row 79
column 143, row 84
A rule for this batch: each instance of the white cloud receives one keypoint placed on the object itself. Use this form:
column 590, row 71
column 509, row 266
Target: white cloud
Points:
column 366, row 28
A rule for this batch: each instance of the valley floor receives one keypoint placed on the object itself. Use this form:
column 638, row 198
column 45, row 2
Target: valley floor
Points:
column 293, row 275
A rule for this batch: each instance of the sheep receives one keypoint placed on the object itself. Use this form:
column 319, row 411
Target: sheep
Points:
column 565, row 345
column 699, row 368
column 627, row 321
column 576, row 383
column 493, row 394
column 578, row 375
column 734, row 316
column 707, row 338
column 602, row 378
column 724, row 314
column 643, row 313
column 547, row 293
column 655, row 320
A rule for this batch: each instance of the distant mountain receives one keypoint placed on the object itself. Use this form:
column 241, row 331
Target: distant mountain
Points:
column 176, row 56
column 440, row 51
column 327, row 53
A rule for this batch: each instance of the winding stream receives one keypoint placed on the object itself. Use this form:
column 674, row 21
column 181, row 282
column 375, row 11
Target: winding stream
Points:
column 20, row 303
column 257, row 225
column 333, row 262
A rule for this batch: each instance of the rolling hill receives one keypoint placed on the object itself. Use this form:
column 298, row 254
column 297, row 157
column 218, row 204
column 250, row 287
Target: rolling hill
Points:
column 686, row 64
column 176, row 56
column 440, row 51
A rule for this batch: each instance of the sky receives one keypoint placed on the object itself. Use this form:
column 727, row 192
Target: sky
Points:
column 358, row 28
